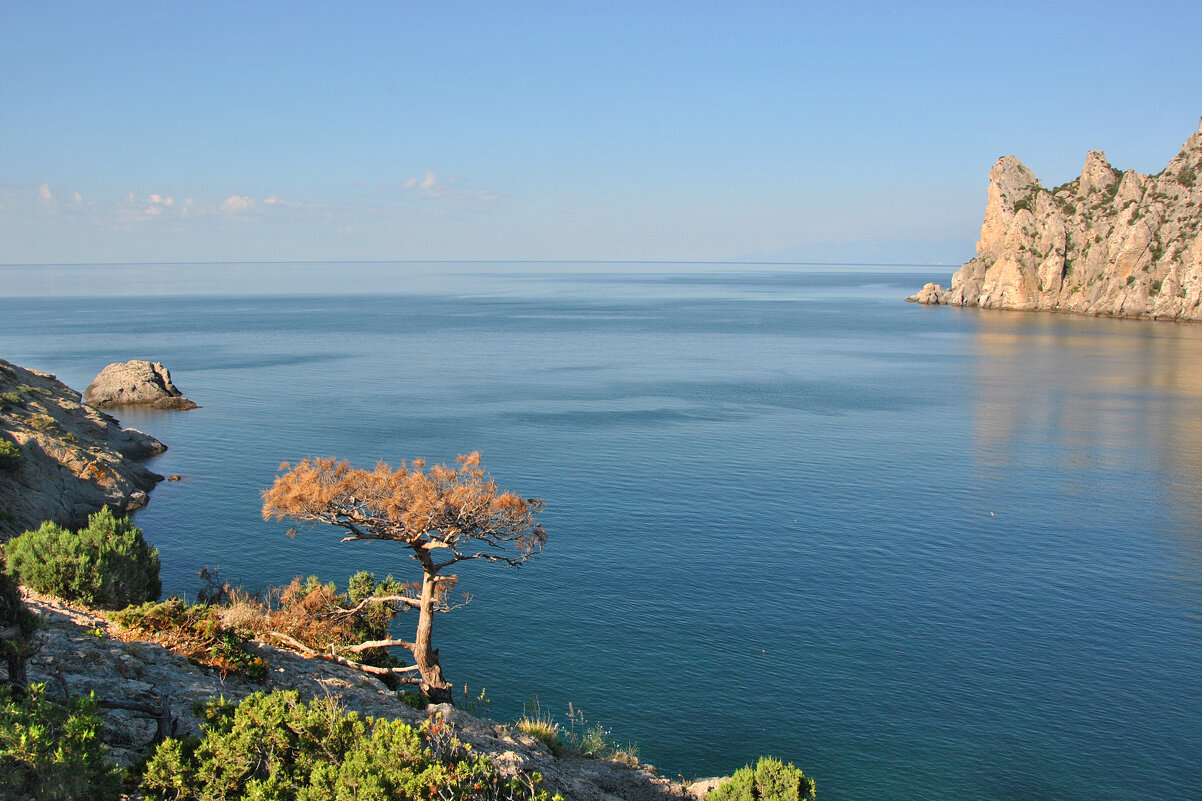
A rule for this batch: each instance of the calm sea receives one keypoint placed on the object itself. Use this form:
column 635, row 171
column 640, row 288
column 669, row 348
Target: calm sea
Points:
column 924, row 553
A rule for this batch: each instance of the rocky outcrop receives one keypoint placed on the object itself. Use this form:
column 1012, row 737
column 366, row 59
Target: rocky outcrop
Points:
column 1108, row 243
column 65, row 459
column 135, row 383
column 78, row 654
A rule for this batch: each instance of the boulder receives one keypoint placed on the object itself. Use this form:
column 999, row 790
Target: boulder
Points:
column 136, row 383
column 931, row 294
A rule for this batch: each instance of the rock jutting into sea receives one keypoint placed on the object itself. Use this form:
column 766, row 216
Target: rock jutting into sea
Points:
column 60, row 459
column 135, row 383
column 1108, row 243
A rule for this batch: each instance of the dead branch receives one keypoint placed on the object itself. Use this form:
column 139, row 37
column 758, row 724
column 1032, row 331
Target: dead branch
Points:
column 305, row 650
column 381, row 599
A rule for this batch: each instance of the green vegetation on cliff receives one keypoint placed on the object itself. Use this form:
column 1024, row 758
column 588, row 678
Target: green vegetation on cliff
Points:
column 107, row 563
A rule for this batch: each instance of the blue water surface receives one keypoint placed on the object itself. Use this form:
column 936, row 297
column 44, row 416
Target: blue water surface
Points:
column 924, row 553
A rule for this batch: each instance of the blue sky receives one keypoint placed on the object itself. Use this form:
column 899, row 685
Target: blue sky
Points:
column 571, row 130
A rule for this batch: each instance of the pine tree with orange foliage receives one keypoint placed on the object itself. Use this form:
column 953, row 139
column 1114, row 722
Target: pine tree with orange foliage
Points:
column 443, row 515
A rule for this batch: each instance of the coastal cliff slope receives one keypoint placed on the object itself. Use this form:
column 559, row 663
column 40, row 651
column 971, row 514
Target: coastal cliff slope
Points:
column 1108, row 243
column 63, row 460
column 79, row 653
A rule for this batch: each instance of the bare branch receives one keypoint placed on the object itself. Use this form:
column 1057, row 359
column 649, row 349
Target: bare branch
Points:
column 367, row 646
column 305, row 650
column 379, row 599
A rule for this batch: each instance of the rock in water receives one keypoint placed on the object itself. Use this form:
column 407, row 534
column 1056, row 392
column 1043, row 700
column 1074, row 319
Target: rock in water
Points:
column 64, row 460
column 1108, row 243
column 136, row 383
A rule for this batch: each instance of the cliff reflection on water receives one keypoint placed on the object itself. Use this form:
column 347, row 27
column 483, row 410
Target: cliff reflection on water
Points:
column 1113, row 406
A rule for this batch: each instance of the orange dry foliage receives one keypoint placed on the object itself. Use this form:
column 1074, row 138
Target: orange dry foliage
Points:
column 461, row 510
column 444, row 515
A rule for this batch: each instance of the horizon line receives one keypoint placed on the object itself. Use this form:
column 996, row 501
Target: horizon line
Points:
column 484, row 261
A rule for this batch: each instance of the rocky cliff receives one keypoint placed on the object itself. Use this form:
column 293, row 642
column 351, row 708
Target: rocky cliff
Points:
column 62, row 460
column 1108, row 243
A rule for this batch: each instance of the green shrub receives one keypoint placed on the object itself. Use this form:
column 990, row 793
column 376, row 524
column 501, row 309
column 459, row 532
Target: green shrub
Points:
column 769, row 780
column 541, row 727
column 317, row 616
column 19, row 624
column 272, row 747
column 1186, row 176
column 10, row 455
column 43, row 422
column 195, row 632
column 53, row 751
column 106, row 564
column 11, row 400
column 415, row 699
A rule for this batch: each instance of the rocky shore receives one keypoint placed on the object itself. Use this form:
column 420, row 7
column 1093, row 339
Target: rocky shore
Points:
column 79, row 654
column 1108, row 243
column 63, row 458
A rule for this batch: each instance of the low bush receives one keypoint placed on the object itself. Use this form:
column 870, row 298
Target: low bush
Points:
column 542, row 728
column 17, row 625
column 273, row 747
column 11, row 400
column 51, row 751
column 316, row 615
column 10, row 455
column 196, row 632
column 576, row 736
column 769, row 780
column 106, row 564
column 415, row 699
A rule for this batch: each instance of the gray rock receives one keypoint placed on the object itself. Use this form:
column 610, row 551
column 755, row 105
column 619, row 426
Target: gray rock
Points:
column 74, row 657
column 1109, row 243
column 135, row 383
column 73, row 459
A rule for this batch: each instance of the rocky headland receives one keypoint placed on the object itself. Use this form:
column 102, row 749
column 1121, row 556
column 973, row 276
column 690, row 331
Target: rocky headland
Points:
column 135, row 383
column 61, row 459
column 1108, row 243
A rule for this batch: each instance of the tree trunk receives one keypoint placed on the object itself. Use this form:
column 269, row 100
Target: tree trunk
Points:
column 436, row 688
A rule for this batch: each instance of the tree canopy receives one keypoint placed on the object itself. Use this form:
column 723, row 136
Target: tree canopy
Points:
column 444, row 515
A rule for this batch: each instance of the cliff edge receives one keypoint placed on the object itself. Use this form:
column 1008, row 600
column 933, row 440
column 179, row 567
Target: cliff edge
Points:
column 79, row 654
column 1108, row 243
column 60, row 459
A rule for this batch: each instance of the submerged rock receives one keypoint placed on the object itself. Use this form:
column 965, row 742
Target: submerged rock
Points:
column 65, row 459
column 135, row 383
column 1108, row 243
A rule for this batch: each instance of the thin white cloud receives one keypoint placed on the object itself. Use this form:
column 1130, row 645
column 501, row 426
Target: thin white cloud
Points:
column 430, row 186
column 45, row 194
column 78, row 198
column 237, row 204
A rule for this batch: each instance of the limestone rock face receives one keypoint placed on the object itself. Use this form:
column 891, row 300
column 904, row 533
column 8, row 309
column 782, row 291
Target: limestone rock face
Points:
column 135, row 383
column 69, row 460
column 1108, row 243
